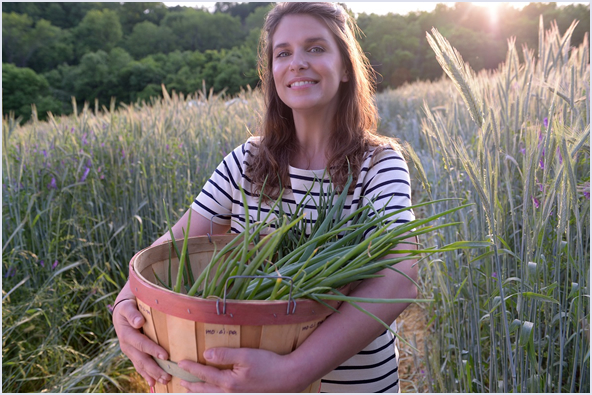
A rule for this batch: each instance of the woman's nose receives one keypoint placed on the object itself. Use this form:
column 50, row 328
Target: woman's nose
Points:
column 298, row 62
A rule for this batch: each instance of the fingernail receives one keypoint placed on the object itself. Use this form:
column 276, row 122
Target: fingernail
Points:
column 161, row 356
column 162, row 381
column 137, row 321
column 208, row 354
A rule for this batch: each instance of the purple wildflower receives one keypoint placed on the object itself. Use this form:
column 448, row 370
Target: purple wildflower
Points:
column 41, row 263
column 72, row 130
column 540, row 187
column 523, row 151
column 84, row 140
column 536, row 202
column 55, row 264
column 122, row 153
column 586, row 190
column 10, row 272
column 52, row 184
column 44, row 152
column 546, row 122
column 110, row 308
column 180, row 145
column 494, row 274
column 102, row 144
column 86, row 171
column 167, row 147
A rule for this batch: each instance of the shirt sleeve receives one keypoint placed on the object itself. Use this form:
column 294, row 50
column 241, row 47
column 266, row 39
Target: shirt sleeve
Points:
column 388, row 186
column 218, row 195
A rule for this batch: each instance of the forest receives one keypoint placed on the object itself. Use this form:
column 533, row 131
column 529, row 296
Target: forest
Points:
column 59, row 56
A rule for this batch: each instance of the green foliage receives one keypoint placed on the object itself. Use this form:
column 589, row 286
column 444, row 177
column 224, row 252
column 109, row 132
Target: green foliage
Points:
column 242, row 10
column 134, row 13
column 16, row 34
column 198, row 30
column 41, row 46
column 99, row 30
column 256, row 19
column 148, row 38
column 81, row 195
column 21, row 88
column 53, row 38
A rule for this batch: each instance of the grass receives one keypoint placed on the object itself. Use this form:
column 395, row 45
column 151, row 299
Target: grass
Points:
column 82, row 194
column 513, row 317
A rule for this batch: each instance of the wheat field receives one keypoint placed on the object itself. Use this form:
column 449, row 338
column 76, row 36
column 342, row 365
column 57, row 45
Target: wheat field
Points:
column 81, row 194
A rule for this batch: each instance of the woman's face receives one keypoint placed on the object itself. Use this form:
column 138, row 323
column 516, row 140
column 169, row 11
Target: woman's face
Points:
column 307, row 66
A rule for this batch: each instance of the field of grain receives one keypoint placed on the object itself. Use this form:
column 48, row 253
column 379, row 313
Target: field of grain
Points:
column 82, row 194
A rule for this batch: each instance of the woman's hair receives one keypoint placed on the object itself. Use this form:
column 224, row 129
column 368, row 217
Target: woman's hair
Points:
column 354, row 124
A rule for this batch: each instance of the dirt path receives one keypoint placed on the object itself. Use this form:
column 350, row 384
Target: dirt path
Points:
column 411, row 325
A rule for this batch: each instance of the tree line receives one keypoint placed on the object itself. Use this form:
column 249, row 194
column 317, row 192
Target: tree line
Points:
column 52, row 52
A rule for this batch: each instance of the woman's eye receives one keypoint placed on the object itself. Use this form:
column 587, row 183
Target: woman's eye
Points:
column 282, row 54
column 317, row 49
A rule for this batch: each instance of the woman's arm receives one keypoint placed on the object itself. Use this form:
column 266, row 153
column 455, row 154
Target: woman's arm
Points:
column 341, row 336
column 127, row 320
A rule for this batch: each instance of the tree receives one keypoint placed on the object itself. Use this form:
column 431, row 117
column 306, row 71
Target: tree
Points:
column 62, row 15
column 256, row 19
column 40, row 47
column 97, row 76
column 22, row 87
column 99, row 30
column 16, row 38
column 133, row 13
column 52, row 46
column 242, row 10
column 137, row 76
column 147, row 38
column 198, row 30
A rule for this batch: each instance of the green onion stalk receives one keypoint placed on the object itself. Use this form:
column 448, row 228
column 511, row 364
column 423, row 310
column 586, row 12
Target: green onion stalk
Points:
column 339, row 250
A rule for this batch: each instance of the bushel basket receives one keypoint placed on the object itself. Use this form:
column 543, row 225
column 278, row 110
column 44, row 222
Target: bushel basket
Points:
column 186, row 326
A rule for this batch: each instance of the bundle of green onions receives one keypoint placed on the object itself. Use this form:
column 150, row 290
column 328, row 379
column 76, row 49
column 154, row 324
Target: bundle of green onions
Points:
column 336, row 252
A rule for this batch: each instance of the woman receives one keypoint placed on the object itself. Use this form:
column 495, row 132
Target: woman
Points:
column 320, row 115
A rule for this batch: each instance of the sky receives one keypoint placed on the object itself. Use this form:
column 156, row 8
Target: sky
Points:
column 382, row 7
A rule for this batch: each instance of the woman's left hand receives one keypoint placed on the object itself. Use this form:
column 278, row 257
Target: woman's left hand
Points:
column 252, row 370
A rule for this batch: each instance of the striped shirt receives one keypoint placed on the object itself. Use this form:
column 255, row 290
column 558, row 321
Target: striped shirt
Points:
column 384, row 179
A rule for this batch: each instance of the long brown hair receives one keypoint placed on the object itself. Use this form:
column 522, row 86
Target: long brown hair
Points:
column 354, row 124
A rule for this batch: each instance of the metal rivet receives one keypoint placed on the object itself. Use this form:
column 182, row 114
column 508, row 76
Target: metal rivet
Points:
column 189, row 311
column 231, row 316
column 275, row 316
column 156, row 301
column 136, row 289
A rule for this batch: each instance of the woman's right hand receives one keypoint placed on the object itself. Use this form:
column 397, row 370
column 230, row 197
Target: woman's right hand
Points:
column 127, row 321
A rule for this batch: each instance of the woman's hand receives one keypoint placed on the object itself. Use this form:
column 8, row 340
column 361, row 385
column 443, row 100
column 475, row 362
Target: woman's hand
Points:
column 127, row 321
column 253, row 371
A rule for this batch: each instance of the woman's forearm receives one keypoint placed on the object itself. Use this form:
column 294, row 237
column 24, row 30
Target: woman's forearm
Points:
column 344, row 334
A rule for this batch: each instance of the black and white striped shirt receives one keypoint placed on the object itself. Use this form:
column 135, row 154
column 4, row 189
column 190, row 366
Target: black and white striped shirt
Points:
column 386, row 178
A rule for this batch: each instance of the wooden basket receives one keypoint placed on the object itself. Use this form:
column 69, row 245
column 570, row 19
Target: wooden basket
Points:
column 186, row 326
